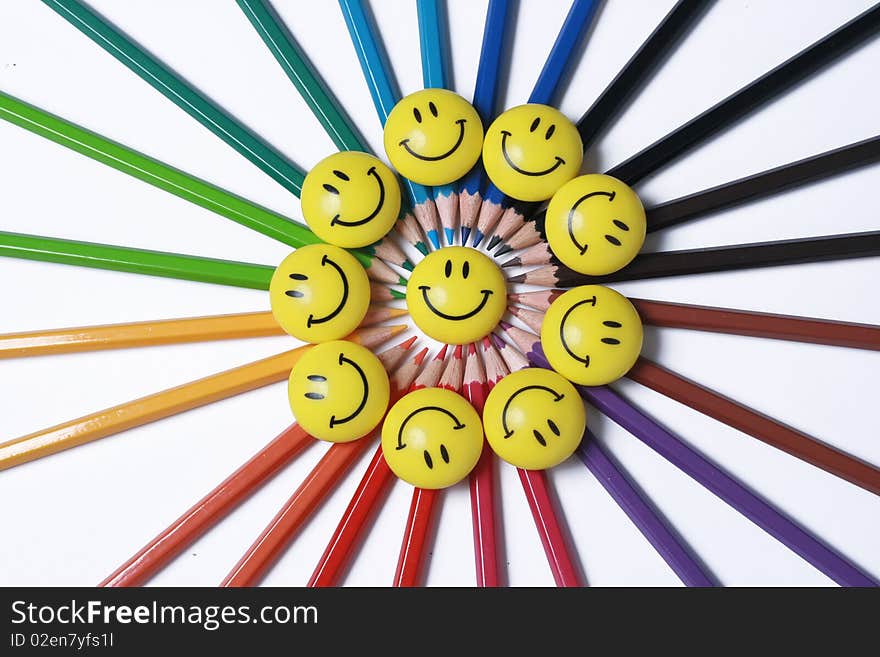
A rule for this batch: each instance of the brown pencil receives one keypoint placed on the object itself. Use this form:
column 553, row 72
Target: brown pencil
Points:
column 761, row 325
column 539, row 299
column 766, row 429
column 512, row 220
column 537, row 254
column 531, row 233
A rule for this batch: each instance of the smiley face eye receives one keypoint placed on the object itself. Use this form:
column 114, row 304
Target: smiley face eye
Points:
column 433, row 108
column 620, row 224
column 428, row 460
column 314, row 395
column 550, row 131
column 448, row 268
column 330, row 188
column 535, row 124
column 444, row 453
column 610, row 340
column 341, row 175
column 417, row 114
column 612, row 324
column 466, row 269
column 553, row 427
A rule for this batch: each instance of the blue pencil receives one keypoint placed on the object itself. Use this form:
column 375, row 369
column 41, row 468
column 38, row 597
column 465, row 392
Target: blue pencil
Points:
column 434, row 45
column 579, row 17
column 383, row 89
column 485, row 100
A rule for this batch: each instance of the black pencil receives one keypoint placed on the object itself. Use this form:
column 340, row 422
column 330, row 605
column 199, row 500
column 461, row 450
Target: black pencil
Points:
column 749, row 98
column 613, row 100
column 716, row 259
column 763, row 184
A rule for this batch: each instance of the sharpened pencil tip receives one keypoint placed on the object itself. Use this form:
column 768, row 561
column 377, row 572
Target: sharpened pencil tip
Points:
column 450, row 235
column 441, row 355
column 487, row 343
column 402, row 281
column 457, row 352
column 408, row 265
column 513, row 262
column 499, row 342
column 397, row 294
column 422, row 247
column 419, row 357
column 472, row 349
column 397, row 329
column 478, row 237
column 465, row 233
column 504, row 249
column 517, row 279
column 505, row 325
column 493, row 242
column 435, row 238
column 408, row 343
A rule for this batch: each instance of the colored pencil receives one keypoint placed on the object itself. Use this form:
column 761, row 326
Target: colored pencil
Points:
column 378, row 314
column 749, row 98
column 421, row 518
column 639, row 69
column 760, row 325
column 551, row 527
column 764, row 428
column 138, row 334
column 372, row 489
column 380, row 292
column 760, row 185
column 484, row 508
column 546, row 89
column 174, row 181
column 223, row 499
column 434, row 47
column 706, row 473
column 530, row 318
column 717, row 259
column 135, row 261
column 485, row 101
column 383, row 89
column 164, row 404
column 278, row 534
column 181, row 93
column 317, row 95
column 539, row 299
column 642, row 514
column 510, row 215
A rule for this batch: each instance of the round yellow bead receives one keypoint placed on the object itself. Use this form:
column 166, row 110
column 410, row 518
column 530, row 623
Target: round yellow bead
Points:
column 338, row 391
column 595, row 224
column 534, row 419
column 433, row 137
column 350, row 199
column 319, row 293
column 456, row 295
column 592, row 335
column 530, row 151
column 432, row 438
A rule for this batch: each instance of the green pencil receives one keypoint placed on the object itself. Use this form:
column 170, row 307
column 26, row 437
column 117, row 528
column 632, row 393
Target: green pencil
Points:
column 173, row 180
column 136, row 261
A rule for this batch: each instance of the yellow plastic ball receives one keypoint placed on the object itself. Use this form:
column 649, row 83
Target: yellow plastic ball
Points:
column 456, row 295
column 531, row 151
column 592, row 335
column 432, row 438
column 433, row 137
column 350, row 199
column 534, row 419
column 319, row 293
column 595, row 224
column 338, row 391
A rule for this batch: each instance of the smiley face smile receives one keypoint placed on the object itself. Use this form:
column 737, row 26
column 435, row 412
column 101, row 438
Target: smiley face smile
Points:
column 311, row 321
column 437, row 158
column 504, row 135
column 336, row 221
column 455, row 318
column 365, row 386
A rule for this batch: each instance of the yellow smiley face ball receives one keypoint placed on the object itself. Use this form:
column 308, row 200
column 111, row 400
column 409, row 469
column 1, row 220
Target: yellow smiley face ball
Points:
column 592, row 335
column 433, row 137
column 595, row 224
column 338, row 391
column 319, row 293
column 531, row 151
column 432, row 438
column 350, row 199
column 534, row 419
column 456, row 295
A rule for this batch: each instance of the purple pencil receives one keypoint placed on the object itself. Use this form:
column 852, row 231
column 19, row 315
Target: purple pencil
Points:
column 702, row 470
column 642, row 514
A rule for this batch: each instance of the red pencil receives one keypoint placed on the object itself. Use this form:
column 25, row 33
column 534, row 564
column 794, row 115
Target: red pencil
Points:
column 550, row 527
column 421, row 519
column 482, row 480
column 221, row 501
column 371, row 490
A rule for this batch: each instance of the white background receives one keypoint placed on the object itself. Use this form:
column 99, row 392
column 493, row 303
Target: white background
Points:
column 73, row 517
